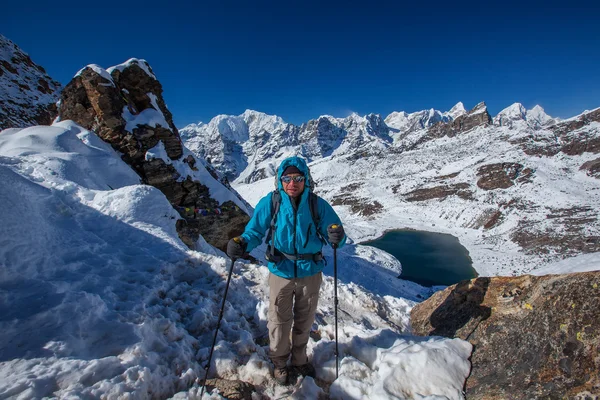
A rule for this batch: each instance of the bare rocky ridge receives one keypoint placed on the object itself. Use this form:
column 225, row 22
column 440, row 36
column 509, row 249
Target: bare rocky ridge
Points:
column 533, row 336
column 110, row 105
column 476, row 117
column 27, row 94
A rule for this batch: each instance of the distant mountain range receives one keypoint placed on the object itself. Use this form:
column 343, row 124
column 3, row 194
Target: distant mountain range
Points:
column 522, row 184
column 239, row 146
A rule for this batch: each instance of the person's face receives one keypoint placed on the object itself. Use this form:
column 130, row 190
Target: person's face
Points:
column 293, row 184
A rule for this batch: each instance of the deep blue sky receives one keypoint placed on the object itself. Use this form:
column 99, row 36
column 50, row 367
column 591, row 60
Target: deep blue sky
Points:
column 302, row 59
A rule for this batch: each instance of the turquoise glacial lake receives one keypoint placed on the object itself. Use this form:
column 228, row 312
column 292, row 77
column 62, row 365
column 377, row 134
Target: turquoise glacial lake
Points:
column 428, row 258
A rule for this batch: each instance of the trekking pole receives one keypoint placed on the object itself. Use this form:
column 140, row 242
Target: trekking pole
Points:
column 206, row 368
column 337, row 354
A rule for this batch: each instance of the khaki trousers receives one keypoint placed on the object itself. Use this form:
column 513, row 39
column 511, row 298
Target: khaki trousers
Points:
column 291, row 302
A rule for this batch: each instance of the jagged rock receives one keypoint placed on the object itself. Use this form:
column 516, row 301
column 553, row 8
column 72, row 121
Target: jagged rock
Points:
column 592, row 168
column 439, row 192
column 27, row 94
column 231, row 389
column 502, row 175
column 478, row 116
column 533, row 336
column 125, row 107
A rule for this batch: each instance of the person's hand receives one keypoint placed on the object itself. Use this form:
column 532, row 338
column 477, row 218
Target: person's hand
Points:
column 335, row 233
column 236, row 247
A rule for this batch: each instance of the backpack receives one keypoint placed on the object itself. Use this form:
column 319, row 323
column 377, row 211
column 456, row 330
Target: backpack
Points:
column 276, row 256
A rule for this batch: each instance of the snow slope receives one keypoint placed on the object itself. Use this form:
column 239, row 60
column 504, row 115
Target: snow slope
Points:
column 100, row 299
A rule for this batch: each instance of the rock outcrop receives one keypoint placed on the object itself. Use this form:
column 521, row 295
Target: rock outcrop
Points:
column 502, row 175
column 533, row 336
column 125, row 107
column 461, row 190
column 592, row 168
column 27, row 94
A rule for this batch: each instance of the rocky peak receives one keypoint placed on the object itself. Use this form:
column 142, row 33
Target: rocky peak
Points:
column 512, row 113
column 27, row 94
column 375, row 125
column 480, row 108
column 538, row 117
column 258, row 121
column 405, row 123
column 478, row 116
column 456, row 111
column 125, row 107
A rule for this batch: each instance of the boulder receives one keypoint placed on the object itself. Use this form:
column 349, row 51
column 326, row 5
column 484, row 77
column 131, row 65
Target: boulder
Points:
column 533, row 336
column 125, row 107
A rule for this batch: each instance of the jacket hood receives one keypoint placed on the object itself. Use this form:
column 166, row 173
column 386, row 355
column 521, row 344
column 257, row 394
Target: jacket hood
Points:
column 299, row 163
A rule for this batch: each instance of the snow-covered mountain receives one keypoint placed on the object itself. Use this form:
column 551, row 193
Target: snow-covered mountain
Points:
column 518, row 195
column 515, row 113
column 250, row 146
column 27, row 94
column 404, row 122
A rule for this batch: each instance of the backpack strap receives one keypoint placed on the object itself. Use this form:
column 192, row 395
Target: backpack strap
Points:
column 313, row 202
column 275, row 203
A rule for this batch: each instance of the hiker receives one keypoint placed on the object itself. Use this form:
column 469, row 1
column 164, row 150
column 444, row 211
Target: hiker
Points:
column 300, row 227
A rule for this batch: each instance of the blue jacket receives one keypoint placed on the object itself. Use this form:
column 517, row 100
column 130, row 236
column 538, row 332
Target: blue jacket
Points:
column 294, row 232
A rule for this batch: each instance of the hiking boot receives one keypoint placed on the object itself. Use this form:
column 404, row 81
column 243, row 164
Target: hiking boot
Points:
column 281, row 375
column 305, row 370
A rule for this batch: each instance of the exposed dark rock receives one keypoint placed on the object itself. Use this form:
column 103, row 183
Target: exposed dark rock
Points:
column 360, row 206
column 573, row 137
column 502, row 175
column 478, row 116
column 439, row 192
column 494, row 220
column 233, row 390
column 445, row 177
column 107, row 104
column 533, row 337
column 592, row 168
column 567, row 233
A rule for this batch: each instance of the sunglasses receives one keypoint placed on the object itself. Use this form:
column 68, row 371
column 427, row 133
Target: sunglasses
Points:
column 288, row 179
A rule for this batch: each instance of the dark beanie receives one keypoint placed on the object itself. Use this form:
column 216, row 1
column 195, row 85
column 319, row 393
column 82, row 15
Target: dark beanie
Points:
column 291, row 170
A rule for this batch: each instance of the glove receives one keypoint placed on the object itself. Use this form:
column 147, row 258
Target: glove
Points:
column 236, row 247
column 336, row 234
